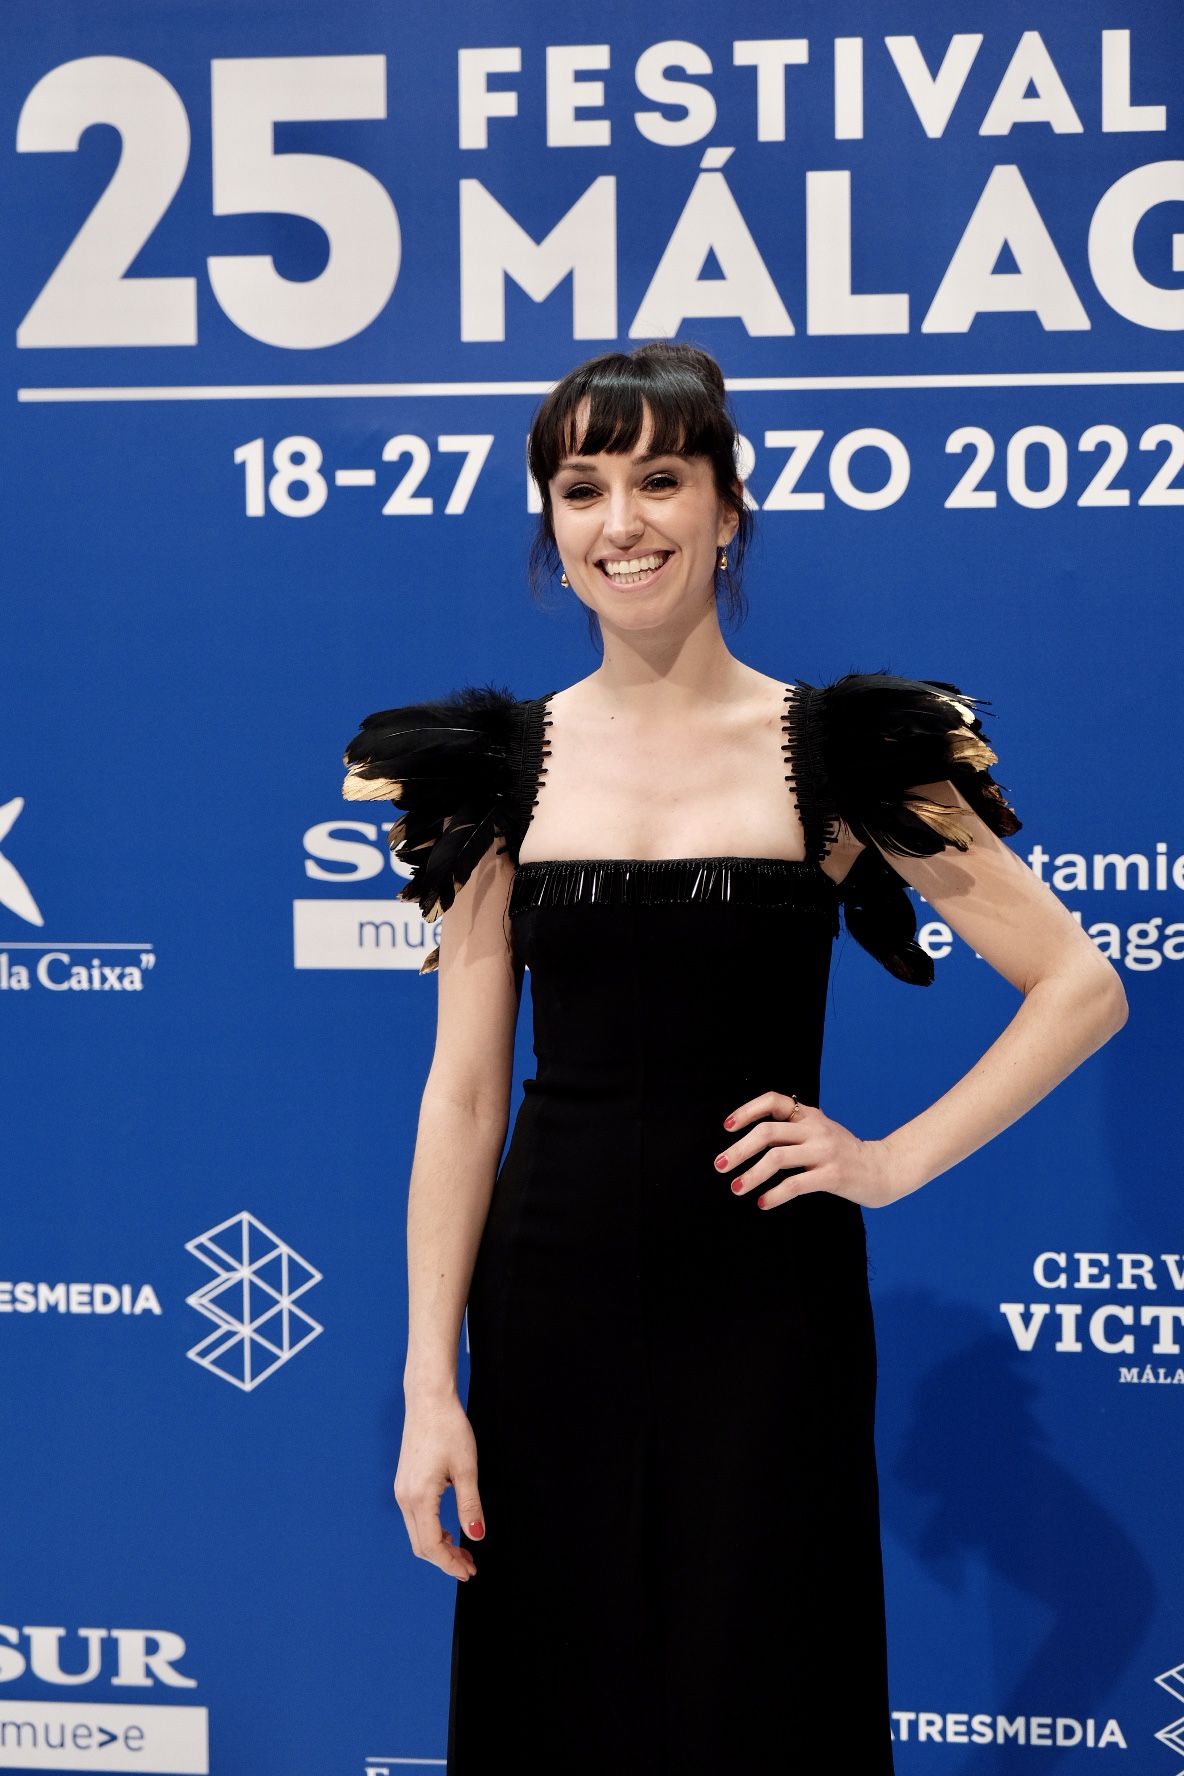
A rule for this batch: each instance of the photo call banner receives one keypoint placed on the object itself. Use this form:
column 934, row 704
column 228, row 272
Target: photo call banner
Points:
column 285, row 285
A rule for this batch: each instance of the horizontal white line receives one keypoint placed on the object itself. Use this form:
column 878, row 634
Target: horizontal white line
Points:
column 966, row 379
column 71, row 943
column 281, row 391
column 290, row 391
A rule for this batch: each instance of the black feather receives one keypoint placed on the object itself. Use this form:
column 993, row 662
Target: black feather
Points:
column 451, row 764
column 872, row 739
column 880, row 735
column 881, row 917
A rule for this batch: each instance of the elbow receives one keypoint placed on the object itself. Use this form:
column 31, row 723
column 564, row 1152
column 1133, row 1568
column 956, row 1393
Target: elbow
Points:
column 1117, row 1001
column 1092, row 996
column 1105, row 1006
column 477, row 1103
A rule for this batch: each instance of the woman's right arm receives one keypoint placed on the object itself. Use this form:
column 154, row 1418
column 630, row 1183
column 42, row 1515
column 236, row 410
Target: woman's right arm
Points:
column 463, row 1118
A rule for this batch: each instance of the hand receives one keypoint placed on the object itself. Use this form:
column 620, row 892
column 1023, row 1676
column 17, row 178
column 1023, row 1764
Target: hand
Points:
column 786, row 1134
column 439, row 1449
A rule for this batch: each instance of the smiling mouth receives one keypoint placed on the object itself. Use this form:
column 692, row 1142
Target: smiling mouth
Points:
column 622, row 573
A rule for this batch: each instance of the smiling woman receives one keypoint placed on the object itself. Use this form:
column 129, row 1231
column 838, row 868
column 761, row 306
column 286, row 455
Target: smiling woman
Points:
column 665, row 1469
column 635, row 456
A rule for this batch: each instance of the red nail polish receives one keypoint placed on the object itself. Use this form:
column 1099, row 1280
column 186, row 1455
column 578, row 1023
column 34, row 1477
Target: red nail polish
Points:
column 722, row 1162
column 729, row 1122
column 737, row 1185
column 477, row 1528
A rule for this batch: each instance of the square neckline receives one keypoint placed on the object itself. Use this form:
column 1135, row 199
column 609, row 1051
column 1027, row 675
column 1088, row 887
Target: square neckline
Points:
column 536, row 747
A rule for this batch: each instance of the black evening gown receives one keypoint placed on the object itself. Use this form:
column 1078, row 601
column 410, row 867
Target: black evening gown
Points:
column 672, row 1390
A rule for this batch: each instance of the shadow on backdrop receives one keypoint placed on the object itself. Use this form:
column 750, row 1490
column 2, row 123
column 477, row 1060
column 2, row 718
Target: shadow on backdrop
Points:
column 965, row 1471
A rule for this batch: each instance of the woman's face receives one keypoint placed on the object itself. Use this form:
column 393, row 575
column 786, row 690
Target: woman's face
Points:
column 637, row 537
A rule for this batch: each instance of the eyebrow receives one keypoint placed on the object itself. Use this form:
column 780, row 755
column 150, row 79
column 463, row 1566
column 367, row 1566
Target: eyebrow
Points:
column 588, row 462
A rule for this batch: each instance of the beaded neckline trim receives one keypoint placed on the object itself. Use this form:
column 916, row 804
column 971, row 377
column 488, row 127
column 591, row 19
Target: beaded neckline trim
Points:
column 665, row 881
column 799, row 749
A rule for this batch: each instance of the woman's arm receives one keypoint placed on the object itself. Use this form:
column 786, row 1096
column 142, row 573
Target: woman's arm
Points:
column 462, row 1121
column 1073, row 997
column 1073, row 1002
column 462, row 1125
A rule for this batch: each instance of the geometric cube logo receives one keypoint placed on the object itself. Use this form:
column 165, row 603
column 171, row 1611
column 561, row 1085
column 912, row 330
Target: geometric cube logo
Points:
column 257, row 1327
column 1173, row 1734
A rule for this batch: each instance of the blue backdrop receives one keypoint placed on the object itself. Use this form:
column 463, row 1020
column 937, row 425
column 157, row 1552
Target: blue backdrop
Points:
column 283, row 290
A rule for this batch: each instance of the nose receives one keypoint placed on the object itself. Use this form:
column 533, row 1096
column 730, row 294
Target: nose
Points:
column 623, row 521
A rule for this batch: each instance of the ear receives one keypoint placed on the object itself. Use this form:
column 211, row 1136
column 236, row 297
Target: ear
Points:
column 729, row 522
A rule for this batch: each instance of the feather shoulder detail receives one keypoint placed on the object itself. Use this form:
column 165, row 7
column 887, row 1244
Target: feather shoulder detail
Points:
column 879, row 736
column 452, row 764
column 872, row 739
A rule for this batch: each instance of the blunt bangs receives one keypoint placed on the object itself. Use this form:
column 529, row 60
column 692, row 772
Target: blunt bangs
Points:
column 618, row 390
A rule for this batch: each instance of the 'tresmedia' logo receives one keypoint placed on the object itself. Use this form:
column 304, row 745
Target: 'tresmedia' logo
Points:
column 251, row 1300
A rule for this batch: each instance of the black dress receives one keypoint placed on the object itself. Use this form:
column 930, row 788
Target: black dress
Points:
column 672, row 1390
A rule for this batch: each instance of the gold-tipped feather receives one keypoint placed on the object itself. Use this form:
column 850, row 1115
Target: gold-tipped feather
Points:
column 964, row 711
column 971, row 749
column 945, row 821
column 357, row 788
column 452, row 767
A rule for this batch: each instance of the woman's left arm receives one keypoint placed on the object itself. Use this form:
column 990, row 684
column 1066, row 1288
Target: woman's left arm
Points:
column 1073, row 997
column 1073, row 1002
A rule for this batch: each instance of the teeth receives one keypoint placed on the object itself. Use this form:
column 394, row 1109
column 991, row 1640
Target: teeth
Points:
column 643, row 564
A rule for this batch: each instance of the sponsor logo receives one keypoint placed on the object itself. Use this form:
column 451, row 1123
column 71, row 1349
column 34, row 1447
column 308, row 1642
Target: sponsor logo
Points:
column 354, row 932
column 1071, row 1319
column 1173, row 1734
column 58, row 965
column 79, row 1298
column 166, row 1738
column 393, row 1765
column 252, row 1301
column 938, row 1727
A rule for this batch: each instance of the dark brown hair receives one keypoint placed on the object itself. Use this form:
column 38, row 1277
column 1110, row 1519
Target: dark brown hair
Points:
column 683, row 387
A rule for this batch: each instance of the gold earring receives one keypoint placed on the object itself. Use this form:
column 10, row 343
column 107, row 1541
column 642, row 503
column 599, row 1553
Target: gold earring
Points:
column 563, row 579
column 723, row 560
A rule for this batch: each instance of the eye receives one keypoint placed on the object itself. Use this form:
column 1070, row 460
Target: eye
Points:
column 660, row 480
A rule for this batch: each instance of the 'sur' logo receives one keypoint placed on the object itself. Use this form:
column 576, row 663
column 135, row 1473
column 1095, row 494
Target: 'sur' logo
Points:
column 251, row 1300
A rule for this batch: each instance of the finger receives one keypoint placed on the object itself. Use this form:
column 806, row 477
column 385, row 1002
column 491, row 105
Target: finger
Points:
column 468, row 1504
column 802, row 1185
column 749, row 1112
column 757, row 1140
column 776, row 1104
column 777, row 1159
column 470, row 1563
column 433, row 1542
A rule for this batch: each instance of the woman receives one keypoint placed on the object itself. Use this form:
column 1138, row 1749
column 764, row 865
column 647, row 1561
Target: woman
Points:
column 670, row 1551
